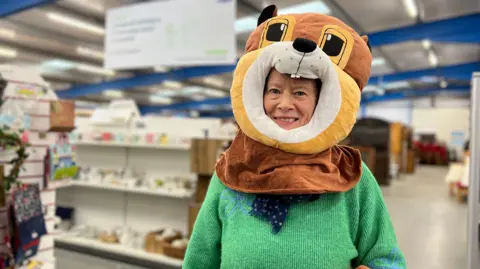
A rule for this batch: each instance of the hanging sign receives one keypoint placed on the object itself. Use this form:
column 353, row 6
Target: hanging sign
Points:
column 171, row 33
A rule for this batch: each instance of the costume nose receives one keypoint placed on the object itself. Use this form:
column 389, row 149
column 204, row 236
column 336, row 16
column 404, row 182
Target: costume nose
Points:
column 304, row 45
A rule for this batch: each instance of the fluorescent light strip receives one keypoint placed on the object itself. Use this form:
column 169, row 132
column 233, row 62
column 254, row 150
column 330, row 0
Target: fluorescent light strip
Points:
column 76, row 23
column 88, row 4
column 90, row 52
column 7, row 33
column 378, row 61
column 9, row 53
column 159, row 99
column 411, row 8
column 214, row 93
column 95, row 70
column 113, row 93
column 213, row 81
column 426, row 44
column 432, row 58
column 172, row 84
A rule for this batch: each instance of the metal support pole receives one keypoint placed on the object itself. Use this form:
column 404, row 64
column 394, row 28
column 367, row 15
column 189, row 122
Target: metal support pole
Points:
column 474, row 181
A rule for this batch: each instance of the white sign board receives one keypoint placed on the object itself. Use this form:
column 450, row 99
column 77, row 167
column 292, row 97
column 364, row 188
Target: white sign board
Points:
column 171, row 33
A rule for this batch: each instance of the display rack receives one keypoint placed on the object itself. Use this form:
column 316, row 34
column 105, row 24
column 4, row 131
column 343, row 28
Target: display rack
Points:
column 26, row 105
column 158, row 146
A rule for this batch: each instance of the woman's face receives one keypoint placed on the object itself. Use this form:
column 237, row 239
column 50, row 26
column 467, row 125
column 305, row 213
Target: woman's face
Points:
column 290, row 102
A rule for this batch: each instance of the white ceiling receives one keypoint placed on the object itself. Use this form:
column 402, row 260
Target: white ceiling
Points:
column 38, row 36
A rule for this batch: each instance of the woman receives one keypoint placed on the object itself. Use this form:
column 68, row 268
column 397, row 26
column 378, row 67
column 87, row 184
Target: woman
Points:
column 284, row 195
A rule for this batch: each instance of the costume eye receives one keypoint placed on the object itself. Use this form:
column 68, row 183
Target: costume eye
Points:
column 277, row 29
column 333, row 45
column 337, row 43
column 276, row 32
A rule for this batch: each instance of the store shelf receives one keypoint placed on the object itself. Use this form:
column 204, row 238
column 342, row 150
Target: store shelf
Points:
column 157, row 192
column 130, row 145
column 115, row 252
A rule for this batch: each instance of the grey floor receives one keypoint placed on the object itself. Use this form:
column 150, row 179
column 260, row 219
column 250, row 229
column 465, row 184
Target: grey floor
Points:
column 430, row 225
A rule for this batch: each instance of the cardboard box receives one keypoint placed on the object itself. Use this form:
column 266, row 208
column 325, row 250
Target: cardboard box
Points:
column 193, row 210
column 203, row 181
column 204, row 155
column 62, row 116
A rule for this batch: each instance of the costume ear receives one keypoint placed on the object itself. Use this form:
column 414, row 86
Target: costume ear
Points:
column 267, row 13
column 365, row 38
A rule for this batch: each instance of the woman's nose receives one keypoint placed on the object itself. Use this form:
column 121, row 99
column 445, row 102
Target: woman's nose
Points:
column 286, row 102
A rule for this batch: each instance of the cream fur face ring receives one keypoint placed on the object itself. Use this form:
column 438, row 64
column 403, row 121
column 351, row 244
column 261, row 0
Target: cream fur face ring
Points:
column 334, row 114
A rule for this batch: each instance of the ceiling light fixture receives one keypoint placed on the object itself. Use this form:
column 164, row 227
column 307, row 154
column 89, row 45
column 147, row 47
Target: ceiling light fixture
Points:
column 172, row 84
column 443, row 84
column 214, row 93
column 88, row 4
column 9, row 53
column 213, row 81
column 378, row 61
column 90, row 52
column 113, row 93
column 156, row 99
column 160, row 69
column 432, row 58
column 7, row 33
column 72, row 22
column 58, row 64
column 427, row 44
column 411, row 8
column 95, row 70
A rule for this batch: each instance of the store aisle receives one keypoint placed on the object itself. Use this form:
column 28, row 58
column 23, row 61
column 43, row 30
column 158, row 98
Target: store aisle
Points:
column 430, row 225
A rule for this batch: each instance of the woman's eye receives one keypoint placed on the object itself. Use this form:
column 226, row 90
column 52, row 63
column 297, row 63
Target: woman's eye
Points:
column 300, row 93
column 275, row 91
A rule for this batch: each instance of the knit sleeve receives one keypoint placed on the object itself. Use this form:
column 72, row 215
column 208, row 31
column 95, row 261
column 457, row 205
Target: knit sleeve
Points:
column 203, row 250
column 376, row 241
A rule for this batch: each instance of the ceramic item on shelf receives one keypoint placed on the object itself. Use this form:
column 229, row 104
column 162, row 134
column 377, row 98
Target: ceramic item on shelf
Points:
column 163, row 139
column 133, row 183
column 119, row 138
column 149, row 138
column 95, row 136
column 107, row 136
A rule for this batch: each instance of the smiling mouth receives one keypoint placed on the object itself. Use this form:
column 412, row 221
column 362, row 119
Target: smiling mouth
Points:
column 285, row 120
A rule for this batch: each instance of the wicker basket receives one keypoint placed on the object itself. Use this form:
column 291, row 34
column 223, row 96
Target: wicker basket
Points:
column 153, row 245
column 170, row 251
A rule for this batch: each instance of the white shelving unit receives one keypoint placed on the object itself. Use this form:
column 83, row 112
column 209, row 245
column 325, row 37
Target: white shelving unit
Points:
column 181, row 194
column 107, row 206
column 119, row 250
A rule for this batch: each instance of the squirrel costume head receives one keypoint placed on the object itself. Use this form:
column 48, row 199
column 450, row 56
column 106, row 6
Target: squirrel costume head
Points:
column 312, row 46
column 266, row 158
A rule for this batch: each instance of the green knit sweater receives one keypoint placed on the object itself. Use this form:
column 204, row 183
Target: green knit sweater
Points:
column 337, row 231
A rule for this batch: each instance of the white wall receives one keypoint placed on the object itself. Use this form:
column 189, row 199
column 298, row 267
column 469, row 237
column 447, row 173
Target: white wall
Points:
column 443, row 115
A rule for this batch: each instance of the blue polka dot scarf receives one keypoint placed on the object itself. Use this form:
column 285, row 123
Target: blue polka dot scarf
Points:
column 274, row 208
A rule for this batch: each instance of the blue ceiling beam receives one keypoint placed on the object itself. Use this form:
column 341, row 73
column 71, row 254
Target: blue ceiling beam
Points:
column 186, row 105
column 218, row 114
column 460, row 71
column 145, row 80
column 10, row 7
column 458, row 27
column 427, row 30
column 467, row 37
column 414, row 93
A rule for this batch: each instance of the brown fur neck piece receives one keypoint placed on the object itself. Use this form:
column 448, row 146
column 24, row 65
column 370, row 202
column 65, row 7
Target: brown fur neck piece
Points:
column 252, row 167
